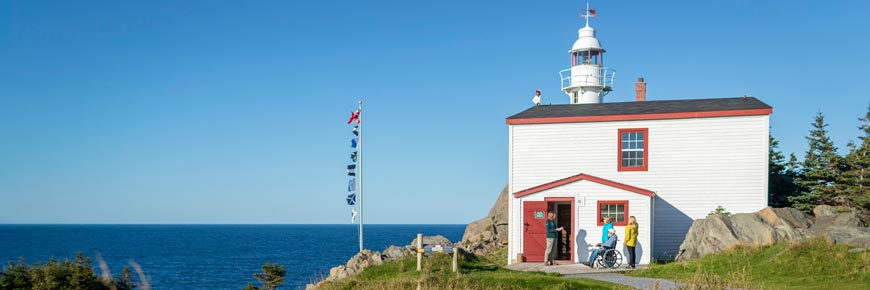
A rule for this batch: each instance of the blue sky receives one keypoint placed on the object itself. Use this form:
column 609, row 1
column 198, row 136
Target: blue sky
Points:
column 235, row 111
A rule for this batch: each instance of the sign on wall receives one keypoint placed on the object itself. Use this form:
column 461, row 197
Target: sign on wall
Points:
column 539, row 214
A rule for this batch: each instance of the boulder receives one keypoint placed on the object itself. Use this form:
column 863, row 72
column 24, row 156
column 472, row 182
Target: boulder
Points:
column 482, row 247
column 355, row 265
column 827, row 210
column 707, row 236
column 431, row 240
column 772, row 225
column 841, row 227
column 394, row 252
column 493, row 226
column 362, row 260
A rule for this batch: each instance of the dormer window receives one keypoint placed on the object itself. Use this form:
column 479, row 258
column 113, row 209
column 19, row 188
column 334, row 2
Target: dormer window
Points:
column 633, row 153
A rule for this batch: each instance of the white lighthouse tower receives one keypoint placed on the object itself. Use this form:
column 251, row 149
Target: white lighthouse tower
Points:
column 587, row 81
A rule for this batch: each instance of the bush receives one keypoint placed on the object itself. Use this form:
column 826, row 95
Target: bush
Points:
column 720, row 211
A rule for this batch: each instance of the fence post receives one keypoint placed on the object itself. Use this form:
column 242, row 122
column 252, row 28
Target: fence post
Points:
column 455, row 258
column 419, row 252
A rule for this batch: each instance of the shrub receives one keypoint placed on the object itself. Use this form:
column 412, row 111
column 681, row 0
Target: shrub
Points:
column 720, row 211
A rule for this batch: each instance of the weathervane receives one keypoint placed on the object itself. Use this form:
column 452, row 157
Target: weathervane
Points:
column 589, row 13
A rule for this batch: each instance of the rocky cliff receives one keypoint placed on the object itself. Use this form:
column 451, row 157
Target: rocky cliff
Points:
column 490, row 232
column 772, row 225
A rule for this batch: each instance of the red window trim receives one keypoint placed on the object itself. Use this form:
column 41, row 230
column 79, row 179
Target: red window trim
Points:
column 645, row 166
column 625, row 213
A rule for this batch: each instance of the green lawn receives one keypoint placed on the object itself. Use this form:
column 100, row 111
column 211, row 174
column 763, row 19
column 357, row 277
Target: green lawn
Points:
column 816, row 264
column 483, row 273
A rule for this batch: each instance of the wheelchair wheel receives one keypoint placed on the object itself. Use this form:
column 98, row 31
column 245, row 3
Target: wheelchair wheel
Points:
column 611, row 259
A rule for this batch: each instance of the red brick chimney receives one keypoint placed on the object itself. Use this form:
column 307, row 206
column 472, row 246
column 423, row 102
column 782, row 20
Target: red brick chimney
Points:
column 640, row 90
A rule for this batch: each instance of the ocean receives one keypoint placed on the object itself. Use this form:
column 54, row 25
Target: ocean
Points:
column 210, row 256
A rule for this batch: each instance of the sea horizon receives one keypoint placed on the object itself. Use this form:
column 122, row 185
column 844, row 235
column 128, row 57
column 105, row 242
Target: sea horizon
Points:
column 210, row 256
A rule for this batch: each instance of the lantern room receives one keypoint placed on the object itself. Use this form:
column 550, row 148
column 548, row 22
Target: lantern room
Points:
column 587, row 80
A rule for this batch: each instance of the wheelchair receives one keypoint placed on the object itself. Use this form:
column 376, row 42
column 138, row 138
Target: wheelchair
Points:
column 609, row 259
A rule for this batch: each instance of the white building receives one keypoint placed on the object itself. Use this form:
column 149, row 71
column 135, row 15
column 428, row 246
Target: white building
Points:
column 664, row 162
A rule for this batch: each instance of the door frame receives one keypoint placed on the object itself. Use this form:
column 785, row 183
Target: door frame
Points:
column 573, row 222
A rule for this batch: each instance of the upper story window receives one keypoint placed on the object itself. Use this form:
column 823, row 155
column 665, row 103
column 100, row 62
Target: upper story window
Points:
column 633, row 153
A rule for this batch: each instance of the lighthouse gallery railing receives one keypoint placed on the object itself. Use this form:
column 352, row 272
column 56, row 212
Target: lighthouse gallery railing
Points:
column 605, row 81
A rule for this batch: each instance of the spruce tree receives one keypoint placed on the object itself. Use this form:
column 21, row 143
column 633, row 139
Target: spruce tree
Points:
column 272, row 277
column 854, row 183
column 820, row 169
column 781, row 176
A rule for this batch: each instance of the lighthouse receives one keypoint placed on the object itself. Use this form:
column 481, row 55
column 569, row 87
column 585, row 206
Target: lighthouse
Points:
column 587, row 80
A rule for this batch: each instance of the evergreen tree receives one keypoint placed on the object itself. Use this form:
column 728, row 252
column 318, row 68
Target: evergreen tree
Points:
column 272, row 277
column 854, row 183
column 125, row 281
column 781, row 177
column 820, row 169
column 16, row 276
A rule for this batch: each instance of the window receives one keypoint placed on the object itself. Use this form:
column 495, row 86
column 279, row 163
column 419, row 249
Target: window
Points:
column 617, row 210
column 592, row 57
column 633, row 153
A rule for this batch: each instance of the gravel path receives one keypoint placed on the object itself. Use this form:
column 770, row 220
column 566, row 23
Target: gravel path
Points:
column 636, row 282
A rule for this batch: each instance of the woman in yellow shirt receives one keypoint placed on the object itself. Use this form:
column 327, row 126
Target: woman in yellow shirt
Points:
column 631, row 240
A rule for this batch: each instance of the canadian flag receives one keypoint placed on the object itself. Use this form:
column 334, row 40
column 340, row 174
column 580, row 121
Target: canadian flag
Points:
column 354, row 117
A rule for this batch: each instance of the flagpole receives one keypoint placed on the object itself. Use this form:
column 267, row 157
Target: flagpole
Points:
column 359, row 168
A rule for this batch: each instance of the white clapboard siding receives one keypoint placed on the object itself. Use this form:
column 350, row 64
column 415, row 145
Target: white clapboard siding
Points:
column 586, row 230
column 694, row 165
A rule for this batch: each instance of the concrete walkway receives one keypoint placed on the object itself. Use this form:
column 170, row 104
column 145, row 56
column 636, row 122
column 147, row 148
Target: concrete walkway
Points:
column 636, row 282
column 565, row 269
column 608, row 275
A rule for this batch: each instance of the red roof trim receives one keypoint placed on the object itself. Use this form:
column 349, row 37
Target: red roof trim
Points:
column 583, row 176
column 638, row 117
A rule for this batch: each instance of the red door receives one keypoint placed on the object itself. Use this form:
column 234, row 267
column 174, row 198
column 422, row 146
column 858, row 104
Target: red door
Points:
column 534, row 230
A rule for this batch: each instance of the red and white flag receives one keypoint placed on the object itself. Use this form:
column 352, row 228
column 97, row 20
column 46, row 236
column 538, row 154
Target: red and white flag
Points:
column 589, row 13
column 354, row 117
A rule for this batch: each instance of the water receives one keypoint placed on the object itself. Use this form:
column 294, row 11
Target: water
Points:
column 210, row 256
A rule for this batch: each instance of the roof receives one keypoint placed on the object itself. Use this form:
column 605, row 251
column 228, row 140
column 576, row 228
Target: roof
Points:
column 583, row 176
column 647, row 110
column 586, row 40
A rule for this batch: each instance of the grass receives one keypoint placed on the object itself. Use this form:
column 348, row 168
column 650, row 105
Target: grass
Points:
column 816, row 264
column 483, row 272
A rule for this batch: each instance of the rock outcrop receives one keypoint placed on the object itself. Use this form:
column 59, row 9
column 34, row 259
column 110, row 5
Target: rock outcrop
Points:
column 354, row 266
column 490, row 232
column 395, row 252
column 772, row 225
column 431, row 240
column 840, row 225
column 367, row 258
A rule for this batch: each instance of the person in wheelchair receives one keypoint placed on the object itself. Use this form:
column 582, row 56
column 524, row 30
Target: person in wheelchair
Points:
column 601, row 248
